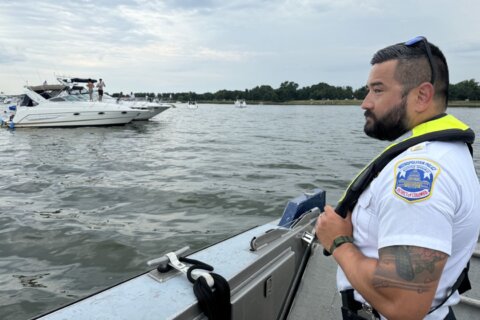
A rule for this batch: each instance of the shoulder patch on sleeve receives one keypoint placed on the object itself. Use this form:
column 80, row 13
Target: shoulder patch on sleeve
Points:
column 414, row 179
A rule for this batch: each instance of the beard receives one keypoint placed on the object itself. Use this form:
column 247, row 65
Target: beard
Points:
column 390, row 126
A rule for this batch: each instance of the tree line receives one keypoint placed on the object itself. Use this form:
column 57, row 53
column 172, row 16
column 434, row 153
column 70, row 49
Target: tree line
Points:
column 290, row 91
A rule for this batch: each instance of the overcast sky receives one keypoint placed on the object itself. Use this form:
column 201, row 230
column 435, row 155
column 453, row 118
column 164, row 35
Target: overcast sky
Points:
column 210, row 45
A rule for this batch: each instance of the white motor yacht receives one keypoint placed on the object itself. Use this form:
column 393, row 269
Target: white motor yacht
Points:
column 33, row 110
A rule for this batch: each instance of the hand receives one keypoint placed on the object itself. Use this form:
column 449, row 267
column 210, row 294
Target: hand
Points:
column 330, row 225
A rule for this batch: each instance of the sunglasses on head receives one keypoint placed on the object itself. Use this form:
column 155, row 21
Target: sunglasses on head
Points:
column 416, row 40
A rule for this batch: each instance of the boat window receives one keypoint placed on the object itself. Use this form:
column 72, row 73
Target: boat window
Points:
column 71, row 98
column 81, row 97
column 66, row 98
column 57, row 99
column 45, row 94
column 27, row 102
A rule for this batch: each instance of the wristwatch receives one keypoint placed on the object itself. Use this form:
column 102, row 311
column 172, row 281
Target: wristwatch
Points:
column 339, row 241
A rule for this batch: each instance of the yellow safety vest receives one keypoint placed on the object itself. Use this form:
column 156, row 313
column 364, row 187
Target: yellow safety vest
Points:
column 444, row 127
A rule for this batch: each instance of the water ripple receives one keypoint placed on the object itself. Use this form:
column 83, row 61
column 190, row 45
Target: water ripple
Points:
column 84, row 208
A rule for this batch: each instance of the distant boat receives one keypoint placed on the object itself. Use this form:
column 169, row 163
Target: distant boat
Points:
column 192, row 105
column 240, row 103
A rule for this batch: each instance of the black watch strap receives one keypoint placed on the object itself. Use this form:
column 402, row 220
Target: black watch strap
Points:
column 339, row 241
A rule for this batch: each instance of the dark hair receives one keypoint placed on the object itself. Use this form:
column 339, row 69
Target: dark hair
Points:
column 413, row 67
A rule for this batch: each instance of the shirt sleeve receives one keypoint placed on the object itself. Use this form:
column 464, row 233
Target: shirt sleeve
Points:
column 417, row 206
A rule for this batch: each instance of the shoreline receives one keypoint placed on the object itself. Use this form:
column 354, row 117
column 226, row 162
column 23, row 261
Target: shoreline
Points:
column 350, row 102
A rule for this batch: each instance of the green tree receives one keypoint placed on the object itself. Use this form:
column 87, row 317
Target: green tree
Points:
column 321, row 91
column 467, row 89
column 360, row 93
column 263, row 93
column 287, row 91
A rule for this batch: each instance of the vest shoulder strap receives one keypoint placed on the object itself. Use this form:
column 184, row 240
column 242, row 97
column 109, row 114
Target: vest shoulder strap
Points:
column 363, row 180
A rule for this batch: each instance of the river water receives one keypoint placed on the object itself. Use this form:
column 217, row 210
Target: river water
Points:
column 82, row 209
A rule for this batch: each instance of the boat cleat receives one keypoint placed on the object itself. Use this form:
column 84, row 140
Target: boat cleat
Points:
column 308, row 237
column 171, row 260
column 196, row 273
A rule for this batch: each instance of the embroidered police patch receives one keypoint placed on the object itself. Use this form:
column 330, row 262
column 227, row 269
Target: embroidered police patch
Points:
column 414, row 179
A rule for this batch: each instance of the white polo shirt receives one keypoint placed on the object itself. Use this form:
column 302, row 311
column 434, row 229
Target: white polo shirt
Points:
column 428, row 196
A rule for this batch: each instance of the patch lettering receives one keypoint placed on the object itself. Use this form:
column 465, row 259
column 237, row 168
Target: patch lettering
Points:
column 414, row 179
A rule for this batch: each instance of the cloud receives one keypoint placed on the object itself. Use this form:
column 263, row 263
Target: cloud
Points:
column 468, row 49
column 207, row 45
column 9, row 55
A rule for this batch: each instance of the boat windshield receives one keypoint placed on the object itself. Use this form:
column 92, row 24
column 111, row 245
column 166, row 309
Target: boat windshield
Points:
column 26, row 101
column 67, row 98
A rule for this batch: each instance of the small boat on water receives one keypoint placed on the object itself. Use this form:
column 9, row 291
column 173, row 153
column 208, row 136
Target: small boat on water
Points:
column 192, row 105
column 268, row 272
column 240, row 103
column 33, row 110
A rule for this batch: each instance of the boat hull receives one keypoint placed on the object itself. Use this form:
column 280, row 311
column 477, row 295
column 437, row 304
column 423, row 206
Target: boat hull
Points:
column 71, row 120
column 58, row 114
column 149, row 112
column 259, row 264
column 170, row 296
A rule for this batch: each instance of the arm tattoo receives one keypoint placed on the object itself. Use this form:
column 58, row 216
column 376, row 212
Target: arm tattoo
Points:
column 403, row 264
column 408, row 267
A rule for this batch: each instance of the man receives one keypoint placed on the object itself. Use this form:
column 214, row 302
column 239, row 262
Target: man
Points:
column 100, row 86
column 90, row 86
column 411, row 229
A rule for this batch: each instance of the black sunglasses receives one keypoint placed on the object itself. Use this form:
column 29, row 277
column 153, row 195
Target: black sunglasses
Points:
column 414, row 41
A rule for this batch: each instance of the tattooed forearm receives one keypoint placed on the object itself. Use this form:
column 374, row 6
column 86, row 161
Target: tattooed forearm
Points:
column 408, row 267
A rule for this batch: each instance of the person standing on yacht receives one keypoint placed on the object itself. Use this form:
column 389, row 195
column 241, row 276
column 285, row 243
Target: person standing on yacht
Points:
column 100, row 86
column 90, row 88
column 411, row 217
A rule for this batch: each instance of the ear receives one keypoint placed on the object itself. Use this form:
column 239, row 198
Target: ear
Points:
column 424, row 96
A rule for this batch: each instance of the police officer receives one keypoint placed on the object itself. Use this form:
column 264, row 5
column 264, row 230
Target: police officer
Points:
column 409, row 233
